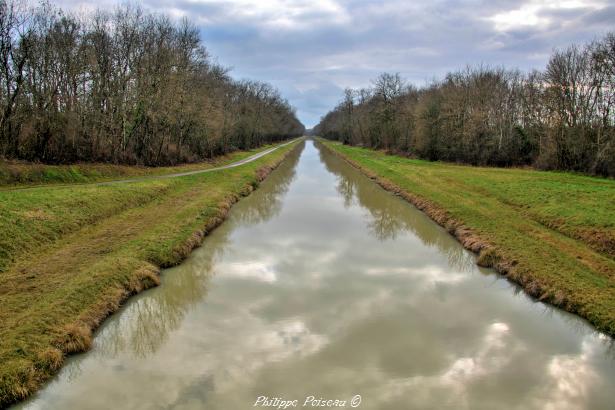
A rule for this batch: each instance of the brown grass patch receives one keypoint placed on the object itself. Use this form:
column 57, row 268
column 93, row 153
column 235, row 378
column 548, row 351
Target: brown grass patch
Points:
column 36, row 214
column 488, row 257
column 74, row 338
column 51, row 358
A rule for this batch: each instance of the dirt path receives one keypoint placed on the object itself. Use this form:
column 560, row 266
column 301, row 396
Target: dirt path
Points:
column 149, row 177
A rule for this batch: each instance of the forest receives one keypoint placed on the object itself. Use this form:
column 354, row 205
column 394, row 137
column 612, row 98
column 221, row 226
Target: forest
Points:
column 561, row 118
column 124, row 86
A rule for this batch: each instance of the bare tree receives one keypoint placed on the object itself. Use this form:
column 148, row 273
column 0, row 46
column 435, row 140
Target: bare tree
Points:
column 562, row 118
column 123, row 86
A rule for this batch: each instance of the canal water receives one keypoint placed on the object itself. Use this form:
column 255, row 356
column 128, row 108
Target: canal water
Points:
column 322, row 286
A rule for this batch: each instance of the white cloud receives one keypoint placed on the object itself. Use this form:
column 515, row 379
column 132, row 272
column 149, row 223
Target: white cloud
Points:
column 256, row 270
column 491, row 356
column 279, row 14
column 571, row 378
column 531, row 14
column 430, row 274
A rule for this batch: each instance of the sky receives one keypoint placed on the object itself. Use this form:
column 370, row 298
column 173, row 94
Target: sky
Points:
column 312, row 49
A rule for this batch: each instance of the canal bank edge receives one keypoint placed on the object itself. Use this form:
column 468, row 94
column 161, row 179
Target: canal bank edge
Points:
column 489, row 256
column 77, row 336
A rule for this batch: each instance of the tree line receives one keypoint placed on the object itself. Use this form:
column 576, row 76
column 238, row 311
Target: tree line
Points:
column 123, row 86
column 561, row 118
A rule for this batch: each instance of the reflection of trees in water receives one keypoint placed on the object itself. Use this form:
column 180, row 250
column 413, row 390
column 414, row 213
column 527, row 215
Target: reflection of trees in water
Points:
column 609, row 344
column 458, row 258
column 386, row 221
column 266, row 202
column 390, row 216
column 149, row 318
column 72, row 369
column 346, row 189
column 575, row 323
column 384, row 225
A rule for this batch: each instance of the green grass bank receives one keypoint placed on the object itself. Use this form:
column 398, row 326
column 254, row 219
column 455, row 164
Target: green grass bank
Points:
column 552, row 233
column 70, row 255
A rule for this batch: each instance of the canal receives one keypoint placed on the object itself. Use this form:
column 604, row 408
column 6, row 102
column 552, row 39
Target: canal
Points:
column 322, row 284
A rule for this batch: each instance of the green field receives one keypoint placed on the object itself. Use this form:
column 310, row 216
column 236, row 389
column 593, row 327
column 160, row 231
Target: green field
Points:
column 69, row 255
column 553, row 233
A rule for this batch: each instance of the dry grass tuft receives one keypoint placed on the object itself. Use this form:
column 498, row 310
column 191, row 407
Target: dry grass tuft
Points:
column 24, row 383
column 144, row 278
column 75, row 338
column 51, row 359
column 36, row 214
column 488, row 257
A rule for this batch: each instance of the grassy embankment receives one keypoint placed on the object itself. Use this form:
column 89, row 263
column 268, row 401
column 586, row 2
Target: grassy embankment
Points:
column 17, row 174
column 71, row 254
column 553, row 233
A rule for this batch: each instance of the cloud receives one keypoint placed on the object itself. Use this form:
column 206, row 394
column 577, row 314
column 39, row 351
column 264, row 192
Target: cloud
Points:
column 312, row 49
column 255, row 270
column 535, row 13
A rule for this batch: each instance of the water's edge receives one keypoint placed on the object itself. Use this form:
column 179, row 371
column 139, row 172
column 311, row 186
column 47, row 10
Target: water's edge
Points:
column 474, row 243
